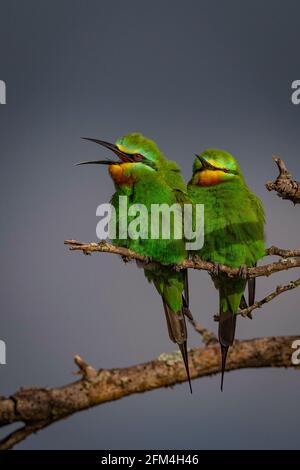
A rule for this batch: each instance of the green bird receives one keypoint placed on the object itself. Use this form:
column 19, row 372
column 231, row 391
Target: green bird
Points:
column 142, row 175
column 233, row 233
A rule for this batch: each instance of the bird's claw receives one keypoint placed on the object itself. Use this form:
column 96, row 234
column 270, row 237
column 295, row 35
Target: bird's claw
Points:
column 147, row 259
column 216, row 270
column 243, row 272
column 195, row 258
column 175, row 268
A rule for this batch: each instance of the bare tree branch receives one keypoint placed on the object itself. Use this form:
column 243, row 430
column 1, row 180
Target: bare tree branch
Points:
column 208, row 337
column 87, row 371
column 285, row 186
column 274, row 251
column 279, row 290
column 41, row 407
column 289, row 261
column 20, row 434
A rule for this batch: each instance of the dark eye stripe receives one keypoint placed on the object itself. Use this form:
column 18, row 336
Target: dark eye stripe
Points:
column 208, row 166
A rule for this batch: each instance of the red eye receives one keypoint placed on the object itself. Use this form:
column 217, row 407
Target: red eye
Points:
column 138, row 157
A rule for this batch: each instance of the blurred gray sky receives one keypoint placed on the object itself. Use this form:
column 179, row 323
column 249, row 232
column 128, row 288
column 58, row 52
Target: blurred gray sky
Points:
column 189, row 75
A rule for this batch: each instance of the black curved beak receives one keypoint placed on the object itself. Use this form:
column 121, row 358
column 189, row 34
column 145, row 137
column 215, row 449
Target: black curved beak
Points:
column 124, row 157
column 204, row 163
column 208, row 166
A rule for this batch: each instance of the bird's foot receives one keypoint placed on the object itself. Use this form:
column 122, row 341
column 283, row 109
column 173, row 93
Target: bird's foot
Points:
column 243, row 272
column 216, row 270
column 195, row 258
column 125, row 259
column 148, row 260
column 175, row 268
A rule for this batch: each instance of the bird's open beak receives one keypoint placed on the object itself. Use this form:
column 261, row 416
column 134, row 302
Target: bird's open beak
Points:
column 124, row 157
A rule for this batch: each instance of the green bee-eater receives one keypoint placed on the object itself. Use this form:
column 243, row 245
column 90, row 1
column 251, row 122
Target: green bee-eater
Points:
column 233, row 233
column 144, row 176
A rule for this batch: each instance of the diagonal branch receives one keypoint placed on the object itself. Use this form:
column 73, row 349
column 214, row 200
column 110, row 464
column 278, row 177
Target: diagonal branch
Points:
column 279, row 290
column 285, row 186
column 40, row 407
column 208, row 337
column 290, row 259
column 20, row 434
column 274, row 251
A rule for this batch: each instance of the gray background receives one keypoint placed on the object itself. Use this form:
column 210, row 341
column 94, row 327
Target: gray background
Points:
column 189, row 75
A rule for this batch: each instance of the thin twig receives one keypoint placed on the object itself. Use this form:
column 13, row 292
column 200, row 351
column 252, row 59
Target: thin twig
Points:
column 20, row 434
column 279, row 290
column 208, row 337
column 274, row 251
column 87, row 371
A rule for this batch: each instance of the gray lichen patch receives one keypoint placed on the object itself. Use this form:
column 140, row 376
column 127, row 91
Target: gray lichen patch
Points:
column 170, row 358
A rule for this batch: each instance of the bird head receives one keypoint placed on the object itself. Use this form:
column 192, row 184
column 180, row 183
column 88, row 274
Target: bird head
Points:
column 214, row 167
column 137, row 156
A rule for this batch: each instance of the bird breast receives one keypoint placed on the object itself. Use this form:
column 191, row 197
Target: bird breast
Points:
column 210, row 178
column 122, row 174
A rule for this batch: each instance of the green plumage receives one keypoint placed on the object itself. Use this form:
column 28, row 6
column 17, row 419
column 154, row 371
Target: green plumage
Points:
column 233, row 230
column 158, row 182
column 145, row 177
column 154, row 190
column 233, row 225
column 150, row 188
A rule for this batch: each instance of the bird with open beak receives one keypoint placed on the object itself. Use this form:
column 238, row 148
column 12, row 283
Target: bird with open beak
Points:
column 144, row 176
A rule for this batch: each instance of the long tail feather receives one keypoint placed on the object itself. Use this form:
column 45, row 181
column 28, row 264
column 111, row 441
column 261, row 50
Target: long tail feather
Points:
column 186, row 291
column 186, row 298
column 224, row 351
column 184, row 353
column 243, row 303
column 251, row 290
column 178, row 334
column 227, row 324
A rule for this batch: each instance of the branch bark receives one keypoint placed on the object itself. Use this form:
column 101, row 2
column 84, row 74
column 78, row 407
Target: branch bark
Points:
column 41, row 407
column 290, row 259
column 285, row 185
column 208, row 337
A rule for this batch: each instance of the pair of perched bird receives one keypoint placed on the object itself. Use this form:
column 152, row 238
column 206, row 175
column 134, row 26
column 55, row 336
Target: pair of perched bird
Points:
column 233, row 228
